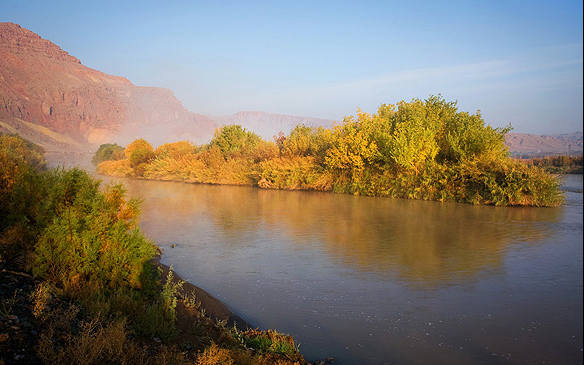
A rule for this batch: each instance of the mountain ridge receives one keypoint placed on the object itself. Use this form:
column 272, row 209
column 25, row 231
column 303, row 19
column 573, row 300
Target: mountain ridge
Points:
column 532, row 145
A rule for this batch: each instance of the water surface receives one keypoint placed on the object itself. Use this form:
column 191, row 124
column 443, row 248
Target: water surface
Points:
column 378, row 280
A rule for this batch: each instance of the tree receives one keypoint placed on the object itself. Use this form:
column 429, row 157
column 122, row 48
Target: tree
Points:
column 139, row 153
column 298, row 142
column 466, row 136
column 234, row 140
column 352, row 147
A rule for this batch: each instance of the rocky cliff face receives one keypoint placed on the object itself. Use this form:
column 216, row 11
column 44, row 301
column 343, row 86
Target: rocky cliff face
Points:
column 48, row 96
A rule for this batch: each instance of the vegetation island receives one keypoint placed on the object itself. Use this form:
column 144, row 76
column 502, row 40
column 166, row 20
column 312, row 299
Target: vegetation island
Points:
column 423, row 149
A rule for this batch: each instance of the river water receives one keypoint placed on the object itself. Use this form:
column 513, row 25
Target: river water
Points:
column 379, row 280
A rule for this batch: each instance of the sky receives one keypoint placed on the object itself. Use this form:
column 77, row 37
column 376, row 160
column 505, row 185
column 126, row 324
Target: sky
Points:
column 518, row 62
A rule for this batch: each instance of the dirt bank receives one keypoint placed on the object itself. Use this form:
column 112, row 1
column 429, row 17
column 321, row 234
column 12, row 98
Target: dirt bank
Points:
column 213, row 307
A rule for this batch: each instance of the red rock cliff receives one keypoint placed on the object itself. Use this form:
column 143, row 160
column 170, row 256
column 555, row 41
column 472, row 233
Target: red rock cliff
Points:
column 49, row 97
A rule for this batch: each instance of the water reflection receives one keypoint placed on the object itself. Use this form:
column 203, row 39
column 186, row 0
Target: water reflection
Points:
column 372, row 280
column 424, row 243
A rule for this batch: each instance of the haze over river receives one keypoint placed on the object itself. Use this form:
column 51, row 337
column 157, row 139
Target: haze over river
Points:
column 378, row 280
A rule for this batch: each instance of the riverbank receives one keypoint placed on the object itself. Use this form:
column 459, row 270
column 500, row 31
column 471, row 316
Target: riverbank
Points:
column 202, row 321
column 82, row 284
column 211, row 306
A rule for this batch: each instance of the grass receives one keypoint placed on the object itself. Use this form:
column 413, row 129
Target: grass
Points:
column 7, row 305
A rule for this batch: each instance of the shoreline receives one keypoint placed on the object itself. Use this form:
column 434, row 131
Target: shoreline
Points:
column 141, row 312
column 214, row 308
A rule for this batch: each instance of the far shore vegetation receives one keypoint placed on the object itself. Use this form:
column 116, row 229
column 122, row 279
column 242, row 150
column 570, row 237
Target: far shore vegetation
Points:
column 558, row 164
column 423, row 149
column 98, row 296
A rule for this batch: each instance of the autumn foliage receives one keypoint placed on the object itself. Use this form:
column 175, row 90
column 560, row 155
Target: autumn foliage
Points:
column 423, row 149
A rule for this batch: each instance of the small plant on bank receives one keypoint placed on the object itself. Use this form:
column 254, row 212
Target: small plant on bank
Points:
column 7, row 305
column 271, row 342
column 191, row 302
column 41, row 297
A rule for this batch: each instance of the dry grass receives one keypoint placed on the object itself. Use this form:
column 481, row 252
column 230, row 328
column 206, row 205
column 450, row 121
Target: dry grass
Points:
column 40, row 298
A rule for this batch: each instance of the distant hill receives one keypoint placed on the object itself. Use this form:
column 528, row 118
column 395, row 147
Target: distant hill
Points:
column 267, row 125
column 49, row 97
column 531, row 145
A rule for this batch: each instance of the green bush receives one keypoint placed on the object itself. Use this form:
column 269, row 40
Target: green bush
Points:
column 19, row 150
column 99, row 288
column 108, row 152
column 93, row 237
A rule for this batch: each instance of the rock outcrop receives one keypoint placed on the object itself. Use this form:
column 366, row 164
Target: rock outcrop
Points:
column 49, row 97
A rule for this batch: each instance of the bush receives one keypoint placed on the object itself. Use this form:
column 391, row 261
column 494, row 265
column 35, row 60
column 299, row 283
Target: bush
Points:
column 20, row 197
column 108, row 152
column 139, row 153
column 234, row 141
column 20, row 151
column 294, row 173
column 119, row 168
column 175, row 150
column 558, row 164
column 99, row 288
column 416, row 150
column 93, row 238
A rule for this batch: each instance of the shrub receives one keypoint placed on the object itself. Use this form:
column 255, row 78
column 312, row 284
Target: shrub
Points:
column 416, row 150
column 214, row 355
column 175, row 150
column 234, row 141
column 108, row 152
column 93, row 237
column 139, row 153
column 118, row 168
column 294, row 173
column 21, row 151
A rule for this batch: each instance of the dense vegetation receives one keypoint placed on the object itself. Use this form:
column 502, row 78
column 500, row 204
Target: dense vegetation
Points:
column 108, row 152
column 558, row 164
column 419, row 150
column 100, row 298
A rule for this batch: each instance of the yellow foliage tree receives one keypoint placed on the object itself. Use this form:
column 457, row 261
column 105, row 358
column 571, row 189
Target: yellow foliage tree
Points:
column 139, row 153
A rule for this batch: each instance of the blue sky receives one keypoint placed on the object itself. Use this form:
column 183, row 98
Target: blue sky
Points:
column 519, row 62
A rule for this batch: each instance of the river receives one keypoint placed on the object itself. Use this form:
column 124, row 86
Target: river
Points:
column 379, row 280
